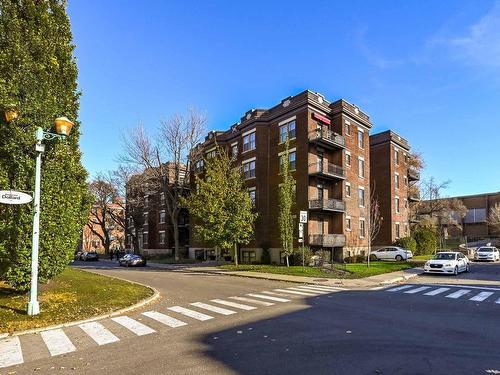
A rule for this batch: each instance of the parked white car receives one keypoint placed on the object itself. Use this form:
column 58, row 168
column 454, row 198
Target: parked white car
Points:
column 392, row 253
column 450, row 262
column 487, row 253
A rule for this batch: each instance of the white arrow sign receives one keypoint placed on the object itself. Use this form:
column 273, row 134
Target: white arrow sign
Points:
column 14, row 197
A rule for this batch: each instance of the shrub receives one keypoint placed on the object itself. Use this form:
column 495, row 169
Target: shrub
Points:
column 360, row 258
column 426, row 239
column 408, row 243
column 300, row 256
column 266, row 256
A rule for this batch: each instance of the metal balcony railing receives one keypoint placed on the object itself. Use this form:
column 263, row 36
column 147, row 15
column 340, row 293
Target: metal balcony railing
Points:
column 327, row 204
column 327, row 240
column 413, row 174
column 327, row 169
column 326, row 136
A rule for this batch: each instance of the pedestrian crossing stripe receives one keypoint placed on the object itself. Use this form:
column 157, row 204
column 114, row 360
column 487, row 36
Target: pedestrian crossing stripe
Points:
column 413, row 291
column 234, row 304
column 253, row 301
column 397, row 289
column 57, row 342
column 164, row 319
column 98, row 333
column 294, row 292
column 190, row 313
column 308, row 290
column 437, row 291
column 481, row 296
column 10, row 352
column 133, row 325
column 314, row 289
column 458, row 293
column 215, row 309
column 270, row 298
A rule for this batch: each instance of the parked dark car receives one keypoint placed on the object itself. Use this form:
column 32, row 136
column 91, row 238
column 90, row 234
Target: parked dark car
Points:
column 78, row 255
column 132, row 260
column 90, row 255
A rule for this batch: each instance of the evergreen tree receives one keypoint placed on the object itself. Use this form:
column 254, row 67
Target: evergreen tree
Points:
column 221, row 205
column 287, row 197
column 38, row 75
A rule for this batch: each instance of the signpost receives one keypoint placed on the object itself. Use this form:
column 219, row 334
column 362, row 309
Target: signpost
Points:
column 302, row 221
column 14, row 197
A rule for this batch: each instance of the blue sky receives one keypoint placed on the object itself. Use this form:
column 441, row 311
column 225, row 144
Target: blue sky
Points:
column 429, row 70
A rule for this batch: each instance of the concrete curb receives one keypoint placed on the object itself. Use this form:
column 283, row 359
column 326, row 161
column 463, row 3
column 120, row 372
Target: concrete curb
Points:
column 399, row 279
column 154, row 297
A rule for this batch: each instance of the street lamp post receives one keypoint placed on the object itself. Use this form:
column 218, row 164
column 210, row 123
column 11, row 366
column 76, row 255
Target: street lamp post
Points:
column 62, row 129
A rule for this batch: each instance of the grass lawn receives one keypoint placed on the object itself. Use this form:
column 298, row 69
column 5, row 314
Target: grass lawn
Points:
column 73, row 295
column 348, row 271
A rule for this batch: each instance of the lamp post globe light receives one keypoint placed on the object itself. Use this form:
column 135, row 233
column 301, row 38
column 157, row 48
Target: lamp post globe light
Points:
column 62, row 129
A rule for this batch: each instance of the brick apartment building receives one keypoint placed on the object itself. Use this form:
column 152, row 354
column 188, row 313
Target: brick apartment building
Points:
column 392, row 179
column 330, row 162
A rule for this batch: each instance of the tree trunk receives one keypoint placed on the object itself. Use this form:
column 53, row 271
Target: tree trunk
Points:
column 287, row 262
column 235, row 253
column 175, row 228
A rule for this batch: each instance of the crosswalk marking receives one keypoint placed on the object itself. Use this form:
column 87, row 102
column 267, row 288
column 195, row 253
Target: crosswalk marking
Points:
column 10, row 352
column 436, row 291
column 215, row 309
column 497, row 301
column 481, row 296
column 164, row 319
column 57, row 342
column 98, row 333
column 313, row 289
column 254, row 301
column 190, row 313
column 417, row 290
column 270, row 298
column 458, row 293
column 309, row 290
column 326, row 287
column 133, row 325
column 234, row 304
column 294, row 292
column 397, row 289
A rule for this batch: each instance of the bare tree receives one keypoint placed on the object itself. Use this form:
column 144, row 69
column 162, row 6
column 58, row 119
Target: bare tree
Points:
column 375, row 221
column 494, row 217
column 167, row 160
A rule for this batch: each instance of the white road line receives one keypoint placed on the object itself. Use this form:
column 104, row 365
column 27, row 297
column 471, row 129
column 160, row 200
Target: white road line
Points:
column 310, row 290
column 215, row 309
column 417, row 290
column 293, row 292
column 436, row 291
column 378, row 288
column 481, row 296
column 234, row 304
column 98, row 333
column 133, row 325
column 190, row 313
column 458, row 293
column 164, row 319
column 325, row 287
column 254, row 301
column 497, row 301
column 397, row 289
column 10, row 352
column 57, row 342
column 270, row 298
column 471, row 287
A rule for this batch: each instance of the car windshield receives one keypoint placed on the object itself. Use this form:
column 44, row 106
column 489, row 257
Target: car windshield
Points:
column 444, row 256
column 485, row 250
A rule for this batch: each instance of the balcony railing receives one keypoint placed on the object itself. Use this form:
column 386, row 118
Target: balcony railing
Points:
column 327, row 169
column 327, row 137
column 327, row 240
column 327, row 205
column 414, row 197
column 413, row 174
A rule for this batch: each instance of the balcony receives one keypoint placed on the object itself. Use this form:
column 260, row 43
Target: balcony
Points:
column 333, row 205
column 327, row 240
column 327, row 138
column 414, row 197
column 326, row 170
column 413, row 174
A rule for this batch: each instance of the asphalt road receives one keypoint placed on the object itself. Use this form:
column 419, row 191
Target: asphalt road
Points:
column 389, row 331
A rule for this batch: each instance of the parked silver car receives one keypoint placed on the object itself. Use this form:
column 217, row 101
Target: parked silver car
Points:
column 392, row 253
column 489, row 253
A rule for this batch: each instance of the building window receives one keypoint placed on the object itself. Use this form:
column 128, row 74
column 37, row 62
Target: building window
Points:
column 198, row 165
column 361, row 196
column 397, row 205
column 287, row 130
column 396, row 180
column 347, row 127
column 249, row 169
column 396, row 156
column 348, row 189
column 249, row 142
column 144, row 237
column 234, row 151
column 162, row 198
column 146, row 218
column 348, row 223
column 252, row 192
column 405, row 179
column 292, row 163
column 406, row 203
column 211, row 154
column 248, row 256
column 347, row 158
column 398, row 230
column 161, row 237
column 361, row 167
column 361, row 138
column 162, row 216
column 146, row 200
column 362, row 228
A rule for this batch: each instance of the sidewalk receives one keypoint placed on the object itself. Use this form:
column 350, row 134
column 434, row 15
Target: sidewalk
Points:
column 367, row 282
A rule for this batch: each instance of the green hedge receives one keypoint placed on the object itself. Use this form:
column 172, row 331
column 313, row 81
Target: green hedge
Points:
column 426, row 239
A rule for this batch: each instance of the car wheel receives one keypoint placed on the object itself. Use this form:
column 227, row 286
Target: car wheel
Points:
column 373, row 257
column 467, row 268
column 399, row 258
column 455, row 272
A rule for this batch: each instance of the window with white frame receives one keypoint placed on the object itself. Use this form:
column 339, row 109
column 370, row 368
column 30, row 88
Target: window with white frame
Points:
column 348, row 223
column 144, row 237
column 396, row 180
column 361, row 167
column 347, row 158
column 146, row 218
column 347, row 127
column 361, row 138
column 396, row 156
column 198, row 165
column 348, row 189
column 162, row 198
column 362, row 228
column 398, row 230
column 287, row 130
column 292, row 161
column 211, row 153
column 161, row 237
column 405, row 179
column 361, row 196
column 396, row 204
column 234, row 150
column 249, row 142
column 249, row 169
column 252, row 193
column 162, row 216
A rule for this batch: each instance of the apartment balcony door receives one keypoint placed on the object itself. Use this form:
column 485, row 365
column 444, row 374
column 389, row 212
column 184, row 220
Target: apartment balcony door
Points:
column 320, row 160
column 321, row 225
column 321, row 195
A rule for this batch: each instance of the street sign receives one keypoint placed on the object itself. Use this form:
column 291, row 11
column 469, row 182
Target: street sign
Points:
column 14, row 197
column 301, row 230
column 303, row 217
